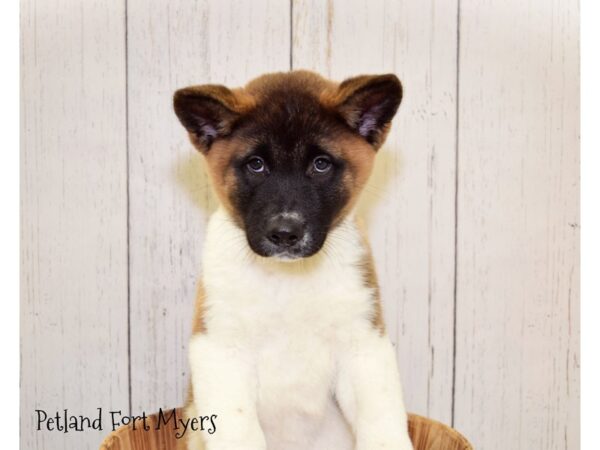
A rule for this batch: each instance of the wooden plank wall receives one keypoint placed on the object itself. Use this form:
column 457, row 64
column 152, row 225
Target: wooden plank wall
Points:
column 517, row 317
column 472, row 212
column 73, row 215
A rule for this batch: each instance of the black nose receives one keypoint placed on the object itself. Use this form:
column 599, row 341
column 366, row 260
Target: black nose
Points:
column 285, row 231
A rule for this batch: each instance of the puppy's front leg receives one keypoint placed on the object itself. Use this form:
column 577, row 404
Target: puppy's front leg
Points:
column 369, row 393
column 224, row 383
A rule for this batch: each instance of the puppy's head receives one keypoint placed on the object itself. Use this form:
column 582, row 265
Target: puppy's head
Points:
column 289, row 153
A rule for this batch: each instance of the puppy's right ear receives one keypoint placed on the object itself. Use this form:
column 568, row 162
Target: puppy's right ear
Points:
column 207, row 112
column 368, row 103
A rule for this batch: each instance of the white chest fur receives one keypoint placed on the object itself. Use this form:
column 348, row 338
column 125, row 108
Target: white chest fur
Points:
column 251, row 299
column 277, row 329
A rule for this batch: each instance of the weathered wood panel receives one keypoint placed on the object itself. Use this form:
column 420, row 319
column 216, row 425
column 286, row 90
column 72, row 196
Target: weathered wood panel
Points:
column 517, row 247
column 73, row 215
column 171, row 45
column 409, row 204
column 517, row 366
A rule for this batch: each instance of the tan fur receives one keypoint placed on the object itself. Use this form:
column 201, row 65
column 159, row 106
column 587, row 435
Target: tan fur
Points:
column 309, row 81
column 345, row 89
column 218, row 162
column 235, row 99
column 360, row 157
column 370, row 277
column 370, row 280
column 198, row 325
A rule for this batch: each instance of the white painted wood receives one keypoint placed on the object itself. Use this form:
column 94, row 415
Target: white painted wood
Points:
column 172, row 45
column 73, row 215
column 517, row 299
column 409, row 204
column 517, row 363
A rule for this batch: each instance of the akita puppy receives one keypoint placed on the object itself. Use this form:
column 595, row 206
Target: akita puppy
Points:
column 289, row 348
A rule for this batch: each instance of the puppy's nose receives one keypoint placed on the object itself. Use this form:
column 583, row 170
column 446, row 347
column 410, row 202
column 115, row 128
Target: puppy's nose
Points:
column 285, row 231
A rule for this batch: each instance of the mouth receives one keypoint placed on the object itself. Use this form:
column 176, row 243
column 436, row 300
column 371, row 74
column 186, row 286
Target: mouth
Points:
column 268, row 249
column 286, row 256
column 308, row 245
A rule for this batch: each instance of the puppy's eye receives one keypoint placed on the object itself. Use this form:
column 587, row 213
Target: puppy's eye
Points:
column 322, row 164
column 256, row 165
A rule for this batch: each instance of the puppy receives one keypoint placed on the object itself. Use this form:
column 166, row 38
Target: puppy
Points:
column 289, row 348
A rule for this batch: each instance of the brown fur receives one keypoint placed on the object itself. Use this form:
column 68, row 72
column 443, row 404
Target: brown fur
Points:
column 367, row 267
column 356, row 151
column 219, row 101
column 350, row 93
column 309, row 82
column 218, row 162
column 198, row 325
column 360, row 157
column 331, row 95
column 370, row 278
column 337, row 98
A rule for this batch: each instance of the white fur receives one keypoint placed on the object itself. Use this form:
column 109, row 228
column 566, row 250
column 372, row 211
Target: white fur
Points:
column 287, row 345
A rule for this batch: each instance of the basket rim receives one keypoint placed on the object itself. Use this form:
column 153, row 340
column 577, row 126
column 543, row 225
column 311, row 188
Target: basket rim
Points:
column 114, row 435
column 448, row 430
column 108, row 441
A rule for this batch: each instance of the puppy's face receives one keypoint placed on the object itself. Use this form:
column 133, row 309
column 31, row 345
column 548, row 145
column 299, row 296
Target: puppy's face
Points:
column 289, row 153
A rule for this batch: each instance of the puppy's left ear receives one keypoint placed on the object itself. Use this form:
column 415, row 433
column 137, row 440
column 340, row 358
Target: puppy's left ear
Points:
column 208, row 113
column 368, row 104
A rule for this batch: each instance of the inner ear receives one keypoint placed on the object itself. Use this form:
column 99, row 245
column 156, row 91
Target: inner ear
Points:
column 368, row 104
column 207, row 112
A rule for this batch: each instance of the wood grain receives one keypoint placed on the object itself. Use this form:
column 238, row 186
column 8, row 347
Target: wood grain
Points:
column 172, row 45
column 409, row 203
column 481, row 168
column 73, row 215
column 517, row 366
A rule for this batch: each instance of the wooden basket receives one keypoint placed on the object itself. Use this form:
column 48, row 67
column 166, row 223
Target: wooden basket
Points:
column 426, row 434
